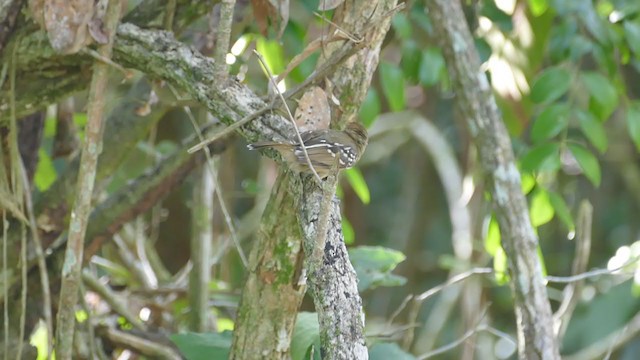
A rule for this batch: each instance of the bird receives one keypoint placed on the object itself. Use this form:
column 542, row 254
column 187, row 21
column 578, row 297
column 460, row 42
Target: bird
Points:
column 329, row 150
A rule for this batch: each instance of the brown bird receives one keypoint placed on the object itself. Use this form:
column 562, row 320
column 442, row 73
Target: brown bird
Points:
column 328, row 149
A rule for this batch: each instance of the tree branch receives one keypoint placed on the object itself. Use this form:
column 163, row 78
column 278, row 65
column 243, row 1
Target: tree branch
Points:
column 475, row 100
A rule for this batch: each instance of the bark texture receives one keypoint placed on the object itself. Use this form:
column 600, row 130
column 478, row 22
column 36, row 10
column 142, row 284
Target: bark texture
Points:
column 477, row 105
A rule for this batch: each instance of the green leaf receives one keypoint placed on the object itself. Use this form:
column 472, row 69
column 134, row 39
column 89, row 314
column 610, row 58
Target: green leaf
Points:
column 492, row 240
column 45, row 172
column 370, row 108
column 385, row 351
column 306, row 334
column 527, row 183
column 392, row 81
column 373, row 265
column 543, row 157
column 541, row 211
column 633, row 122
column 632, row 33
column 587, row 162
column 550, row 85
column 358, row 184
column 592, row 130
column 602, row 91
column 348, row 232
column 551, row 121
column 561, row 210
column 500, row 266
column 411, row 59
column 431, row 66
column 401, row 25
column 272, row 53
column 203, row 346
column 538, row 7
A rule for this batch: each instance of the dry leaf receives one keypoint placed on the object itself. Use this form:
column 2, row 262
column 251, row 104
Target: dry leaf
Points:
column 271, row 12
column 66, row 23
column 325, row 5
column 313, row 112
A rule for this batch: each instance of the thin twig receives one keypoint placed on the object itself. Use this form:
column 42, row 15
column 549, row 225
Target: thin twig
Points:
column 138, row 344
column 42, row 265
column 571, row 293
column 223, row 33
column 229, row 129
column 5, row 281
column 218, row 192
column 86, row 180
column 169, row 13
column 457, row 342
column 589, row 274
column 419, row 299
column 295, row 126
column 116, row 304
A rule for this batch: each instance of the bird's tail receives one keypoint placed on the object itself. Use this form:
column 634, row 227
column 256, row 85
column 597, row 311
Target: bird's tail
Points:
column 264, row 145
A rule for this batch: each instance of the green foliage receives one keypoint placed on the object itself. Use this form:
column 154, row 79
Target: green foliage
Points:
column 370, row 108
column 203, row 346
column 551, row 121
column 432, row 66
column 587, row 162
column 633, row 122
column 45, row 171
column 543, row 157
column 358, row 184
column 540, row 210
column 392, row 80
column 593, row 130
column 306, row 336
column 384, row 351
column 604, row 95
column 550, row 85
column 373, row 265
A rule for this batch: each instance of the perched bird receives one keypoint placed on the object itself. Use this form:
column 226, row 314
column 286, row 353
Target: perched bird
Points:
column 328, row 149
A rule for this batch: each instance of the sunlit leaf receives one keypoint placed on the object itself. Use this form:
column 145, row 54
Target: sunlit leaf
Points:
column 551, row 121
column 392, row 81
column 543, row 157
column 593, row 130
column 492, row 240
column 358, row 184
column 527, row 183
column 45, row 172
column 587, row 162
column 348, row 232
column 500, row 266
column 271, row 51
column 550, row 85
column 541, row 211
column 538, row 7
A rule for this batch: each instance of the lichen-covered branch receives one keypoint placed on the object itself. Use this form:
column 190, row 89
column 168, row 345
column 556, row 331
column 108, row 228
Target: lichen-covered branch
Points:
column 332, row 281
column 478, row 107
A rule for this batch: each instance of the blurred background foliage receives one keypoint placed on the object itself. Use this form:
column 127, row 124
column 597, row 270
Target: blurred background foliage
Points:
column 566, row 76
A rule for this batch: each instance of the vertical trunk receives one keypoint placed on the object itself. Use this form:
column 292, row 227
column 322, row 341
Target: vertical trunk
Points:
column 475, row 101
